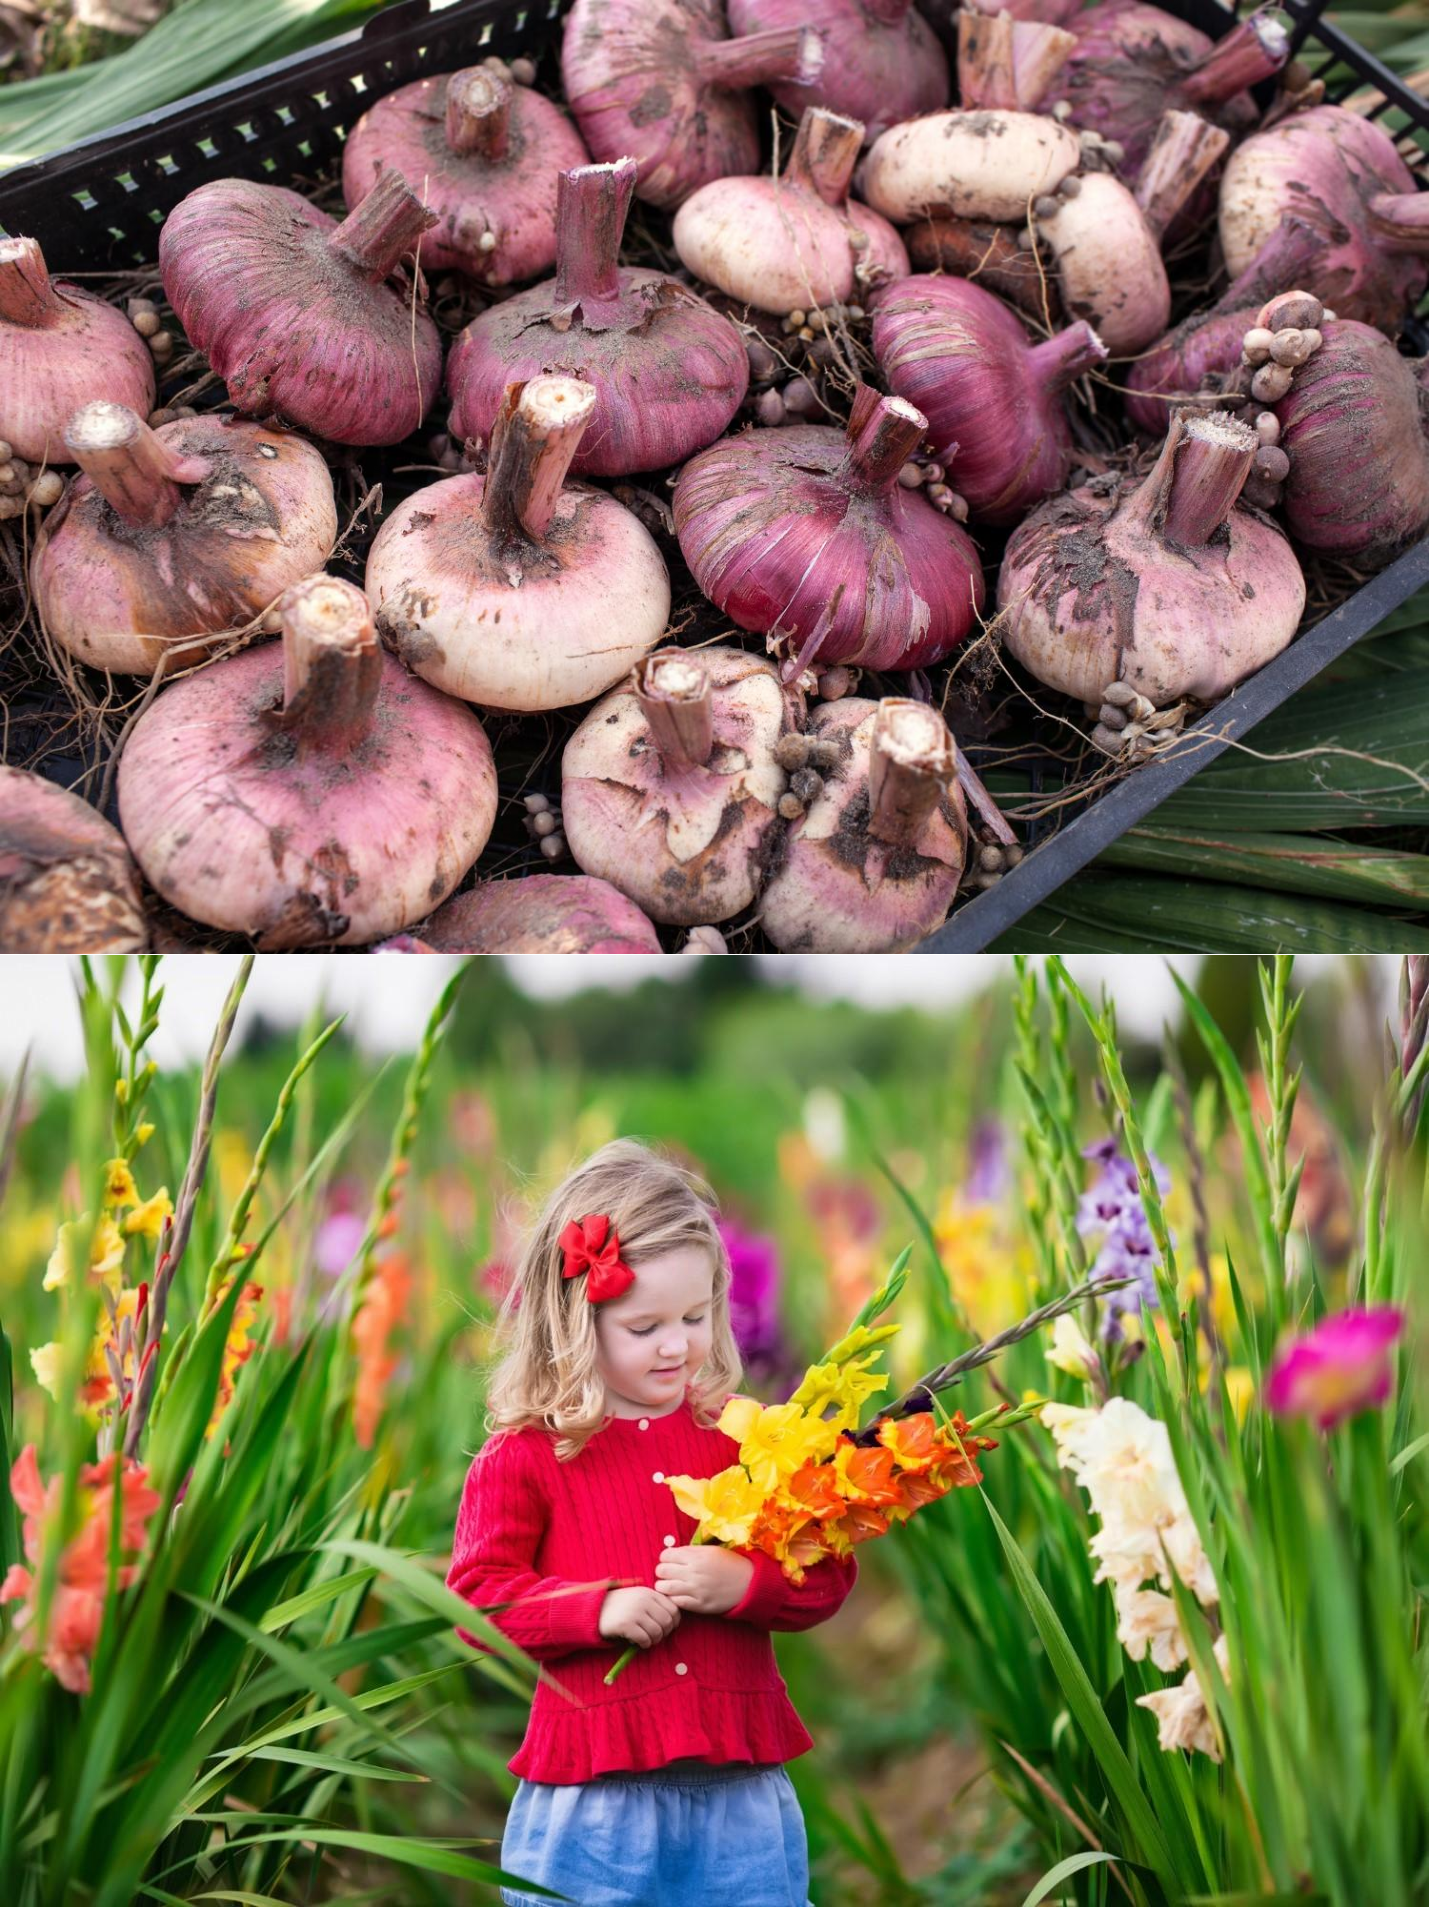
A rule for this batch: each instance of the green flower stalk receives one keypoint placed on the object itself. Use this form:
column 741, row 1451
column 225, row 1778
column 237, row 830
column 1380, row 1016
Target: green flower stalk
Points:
column 174, row 1238
column 384, row 1220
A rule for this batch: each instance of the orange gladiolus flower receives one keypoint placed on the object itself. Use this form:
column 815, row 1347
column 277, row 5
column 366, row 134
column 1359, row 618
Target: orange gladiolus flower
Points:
column 238, row 1348
column 958, row 1467
column 865, row 1475
column 911, row 1440
column 918, row 1492
column 814, row 1487
column 282, row 1303
column 77, row 1606
column 383, row 1308
column 790, row 1537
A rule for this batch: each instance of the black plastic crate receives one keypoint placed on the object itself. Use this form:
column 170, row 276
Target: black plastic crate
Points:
column 97, row 207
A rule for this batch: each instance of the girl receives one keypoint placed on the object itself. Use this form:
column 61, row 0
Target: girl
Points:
column 668, row 1786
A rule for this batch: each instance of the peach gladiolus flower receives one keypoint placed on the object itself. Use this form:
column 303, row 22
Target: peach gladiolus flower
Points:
column 77, row 1606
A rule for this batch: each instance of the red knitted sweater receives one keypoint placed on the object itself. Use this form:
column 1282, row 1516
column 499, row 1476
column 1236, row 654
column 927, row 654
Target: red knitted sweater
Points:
column 549, row 1538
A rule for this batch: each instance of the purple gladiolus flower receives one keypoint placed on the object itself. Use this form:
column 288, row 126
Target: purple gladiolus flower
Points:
column 754, row 1303
column 754, row 1288
column 1339, row 1369
column 1113, row 1208
column 987, row 1163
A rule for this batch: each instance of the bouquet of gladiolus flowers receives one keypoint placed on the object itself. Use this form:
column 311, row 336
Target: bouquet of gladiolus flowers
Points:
column 810, row 1484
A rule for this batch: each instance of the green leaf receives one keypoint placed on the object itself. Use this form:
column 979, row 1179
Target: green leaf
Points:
column 1255, row 1900
column 298, row 1666
column 197, row 44
column 211, row 1524
column 175, row 1442
column 1064, row 1870
column 1408, row 1454
column 1290, row 863
column 281, row 1614
column 1257, row 1177
column 436, row 1856
column 321, row 1717
column 248, row 1900
column 1317, row 782
column 1111, row 913
column 337, row 1764
column 1087, row 1709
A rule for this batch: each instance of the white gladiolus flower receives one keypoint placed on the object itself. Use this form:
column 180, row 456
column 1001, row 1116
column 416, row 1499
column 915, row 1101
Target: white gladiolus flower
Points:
column 1147, row 1619
column 1127, row 1554
column 1071, row 1350
column 1122, row 1458
column 1068, row 1424
column 1182, row 1718
column 1189, row 1560
column 1128, row 1469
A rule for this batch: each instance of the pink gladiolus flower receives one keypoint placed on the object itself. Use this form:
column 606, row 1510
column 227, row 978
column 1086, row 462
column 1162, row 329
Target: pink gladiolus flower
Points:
column 336, row 1242
column 1339, row 1369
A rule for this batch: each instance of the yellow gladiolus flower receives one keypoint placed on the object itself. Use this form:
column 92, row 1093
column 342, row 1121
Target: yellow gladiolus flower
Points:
column 119, row 1186
column 1222, row 1300
column 1240, row 1388
column 736, row 1417
column 147, row 1219
column 106, row 1252
column 986, row 1271
column 780, row 1441
column 863, row 1337
column 144, row 1132
column 45, row 1363
column 96, row 1390
column 725, row 1505
column 846, row 1387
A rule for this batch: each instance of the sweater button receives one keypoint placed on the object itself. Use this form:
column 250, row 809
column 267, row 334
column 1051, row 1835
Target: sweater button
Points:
column 668, row 1541
column 644, row 1423
column 658, row 1476
column 681, row 1668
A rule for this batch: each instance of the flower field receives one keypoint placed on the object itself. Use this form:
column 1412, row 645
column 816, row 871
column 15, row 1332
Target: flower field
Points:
column 1140, row 1611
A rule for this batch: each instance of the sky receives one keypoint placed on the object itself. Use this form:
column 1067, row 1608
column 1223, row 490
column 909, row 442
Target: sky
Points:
column 389, row 996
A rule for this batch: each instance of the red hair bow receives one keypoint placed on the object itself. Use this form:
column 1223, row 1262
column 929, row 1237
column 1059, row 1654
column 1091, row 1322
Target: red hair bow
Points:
column 591, row 1246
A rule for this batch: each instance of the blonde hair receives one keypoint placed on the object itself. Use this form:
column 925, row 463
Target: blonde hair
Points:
column 548, row 1374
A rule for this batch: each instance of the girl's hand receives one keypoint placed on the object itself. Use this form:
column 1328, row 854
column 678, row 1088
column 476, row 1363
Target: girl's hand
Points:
column 640, row 1615
column 703, row 1578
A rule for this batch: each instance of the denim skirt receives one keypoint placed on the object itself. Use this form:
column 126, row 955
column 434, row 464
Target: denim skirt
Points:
column 723, row 1834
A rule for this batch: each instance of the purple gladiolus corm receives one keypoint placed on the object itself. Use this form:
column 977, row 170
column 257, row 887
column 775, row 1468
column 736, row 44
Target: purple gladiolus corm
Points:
column 1337, row 1370
column 1113, row 1207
